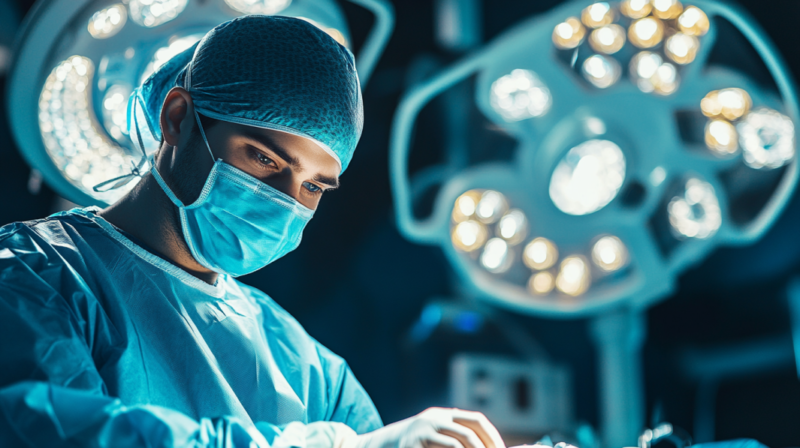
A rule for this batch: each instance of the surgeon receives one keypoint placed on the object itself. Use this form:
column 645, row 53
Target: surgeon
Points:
column 126, row 327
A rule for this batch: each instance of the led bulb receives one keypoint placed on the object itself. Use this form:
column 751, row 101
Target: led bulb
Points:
column 682, row 48
column 646, row 32
column 635, row 9
column 601, row 71
column 520, row 95
column 693, row 21
column 497, row 257
column 667, row 9
column 643, row 67
column 107, row 22
column 115, row 110
column 731, row 104
column 541, row 283
column 573, row 277
column 465, row 205
column 609, row 253
column 695, row 212
column 588, row 177
column 265, row 7
column 721, row 137
column 152, row 13
column 540, row 254
column 568, row 34
column 513, row 227
column 666, row 80
column 469, row 235
column 767, row 138
column 491, row 207
column 597, row 15
column 608, row 39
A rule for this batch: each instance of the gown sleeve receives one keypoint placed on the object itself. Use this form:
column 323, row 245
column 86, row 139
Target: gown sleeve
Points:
column 51, row 393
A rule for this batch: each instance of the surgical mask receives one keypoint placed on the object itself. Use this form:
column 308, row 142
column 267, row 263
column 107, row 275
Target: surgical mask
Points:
column 239, row 224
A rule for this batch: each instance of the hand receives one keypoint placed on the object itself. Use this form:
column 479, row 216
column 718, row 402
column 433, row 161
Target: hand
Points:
column 436, row 428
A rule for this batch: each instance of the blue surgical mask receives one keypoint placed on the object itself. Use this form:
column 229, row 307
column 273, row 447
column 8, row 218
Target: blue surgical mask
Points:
column 239, row 224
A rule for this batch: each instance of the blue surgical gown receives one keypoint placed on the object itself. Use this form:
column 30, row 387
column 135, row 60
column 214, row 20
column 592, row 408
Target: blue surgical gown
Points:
column 103, row 343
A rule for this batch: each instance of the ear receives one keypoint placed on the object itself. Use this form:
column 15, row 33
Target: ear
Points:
column 177, row 115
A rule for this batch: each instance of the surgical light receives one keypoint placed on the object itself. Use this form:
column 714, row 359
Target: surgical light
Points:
column 513, row 227
column 666, row 79
column 520, row 95
column 115, row 110
column 573, row 277
column 569, row 33
column 609, row 253
column 601, row 71
column 646, row 32
column 667, row 9
column 643, row 67
column 721, row 137
column 108, row 21
column 693, row 21
column 497, row 257
column 167, row 52
column 152, row 13
column 541, row 283
column 540, row 254
column 767, row 138
column 465, row 205
column 597, row 15
column 695, row 211
column 588, row 177
column 266, row 7
column 469, row 235
column 635, row 9
column 681, row 48
column 608, row 39
column 491, row 207
column 731, row 103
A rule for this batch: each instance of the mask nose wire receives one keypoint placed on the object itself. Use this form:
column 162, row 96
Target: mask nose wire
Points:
column 203, row 134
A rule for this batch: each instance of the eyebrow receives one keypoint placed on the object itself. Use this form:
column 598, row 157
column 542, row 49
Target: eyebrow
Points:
column 294, row 162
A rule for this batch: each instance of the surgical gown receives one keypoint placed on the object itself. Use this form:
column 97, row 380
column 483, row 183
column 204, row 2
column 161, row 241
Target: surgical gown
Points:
column 103, row 343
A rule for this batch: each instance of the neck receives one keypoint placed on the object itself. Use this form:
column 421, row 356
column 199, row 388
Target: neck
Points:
column 147, row 213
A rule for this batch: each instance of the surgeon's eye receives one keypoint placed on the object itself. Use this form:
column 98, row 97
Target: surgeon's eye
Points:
column 313, row 189
column 262, row 159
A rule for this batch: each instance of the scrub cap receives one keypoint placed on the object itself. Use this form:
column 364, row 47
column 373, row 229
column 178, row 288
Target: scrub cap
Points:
column 269, row 72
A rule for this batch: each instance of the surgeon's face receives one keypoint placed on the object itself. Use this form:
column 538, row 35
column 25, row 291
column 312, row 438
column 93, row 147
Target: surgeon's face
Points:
column 293, row 165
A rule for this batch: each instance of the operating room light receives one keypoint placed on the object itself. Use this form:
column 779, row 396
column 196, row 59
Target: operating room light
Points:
column 681, row 48
column 588, row 177
column 731, row 103
column 608, row 39
column 767, row 138
column 491, row 207
column 541, row 283
column 513, row 227
column 465, row 205
column 115, row 110
column 643, row 67
column 108, row 21
column 693, row 21
column 667, row 9
column 568, row 34
column 520, row 95
column 573, row 277
column 695, row 212
column 540, row 254
column 597, row 15
column 609, row 253
column 266, row 7
column 646, row 32
column 70, row 131
column 152, row 13
column 165, row 53
column 497, row 257
column 601, row 71
column 469, row 235
column 635, row 9
column 666, row 79
column 721, row 137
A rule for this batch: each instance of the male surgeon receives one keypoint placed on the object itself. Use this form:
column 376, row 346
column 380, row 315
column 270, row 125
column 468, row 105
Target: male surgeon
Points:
column 125, row 327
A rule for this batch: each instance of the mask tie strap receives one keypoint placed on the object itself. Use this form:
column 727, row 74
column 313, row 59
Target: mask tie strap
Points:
column 203, row 134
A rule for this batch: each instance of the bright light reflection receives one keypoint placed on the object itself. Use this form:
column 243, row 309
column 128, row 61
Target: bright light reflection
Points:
column 540, row 254
column 695, row 213
column 597, row 15
column 767, row 138
column 497, row 257
column 520, row 95
column 568, row 34
column 513, row 227
column 608, row 39
column 646, row 32
column 266, row 7
column 667, row 9
column 465, row 205
column 468, row 235
column 152, row 13
column 573, row 277
column 541, row 283
column 164, row 54
column 635, row 9
column 601, row 71
column 609, row 253
column 107, row 22
column 693, row 21
column 731, row 103
column 721, row 137
column 682, row 48
column 588, row 177
column 491, row 207
column 115, row 110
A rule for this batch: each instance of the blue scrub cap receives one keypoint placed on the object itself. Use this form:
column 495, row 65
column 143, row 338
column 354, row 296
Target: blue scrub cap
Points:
column 270, row 72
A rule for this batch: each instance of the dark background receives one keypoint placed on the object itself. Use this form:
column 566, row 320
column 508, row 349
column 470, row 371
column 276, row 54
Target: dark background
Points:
column 358, row 286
